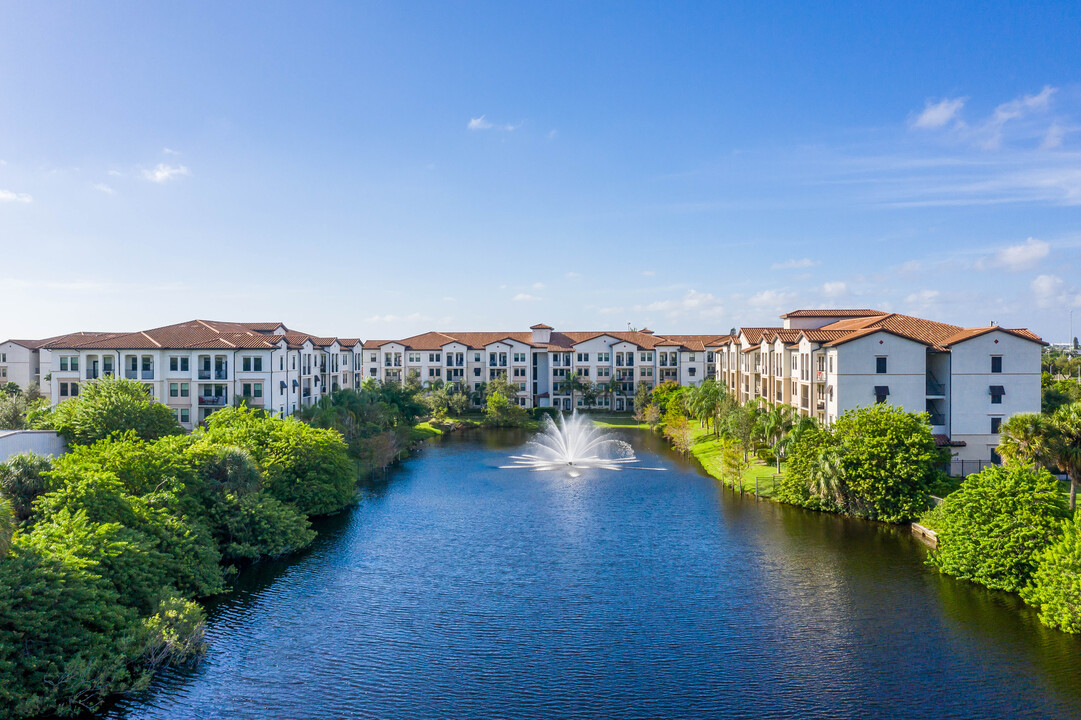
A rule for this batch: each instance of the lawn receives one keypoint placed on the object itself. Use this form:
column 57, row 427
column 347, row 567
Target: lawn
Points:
column 708, row 451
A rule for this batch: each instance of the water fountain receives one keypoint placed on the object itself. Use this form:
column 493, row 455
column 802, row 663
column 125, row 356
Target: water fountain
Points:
column 573, row 445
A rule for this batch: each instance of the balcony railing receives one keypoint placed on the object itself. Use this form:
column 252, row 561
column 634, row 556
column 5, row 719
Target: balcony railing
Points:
column 91, row 374
column 212, row 400
column 204, row 375
column 131, row 374
column 148, row 374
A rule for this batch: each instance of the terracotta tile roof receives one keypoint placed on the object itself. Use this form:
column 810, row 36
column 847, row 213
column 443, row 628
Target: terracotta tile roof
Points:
column 969, row 333
column 69, row 337
column 944, row 441
column 831, row 312
column 193, row 334
column 787, row 337
column 819, row 335
column 928, row 332
column 754, row 334
column 541, row 326
column 693, row 343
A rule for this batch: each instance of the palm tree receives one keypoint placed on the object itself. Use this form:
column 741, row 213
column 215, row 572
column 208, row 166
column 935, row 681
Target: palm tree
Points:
column 1024, row 439
column 702, row 401
column 1065, row 444
column 774, row 426
column 827, row 476
column 572, row 384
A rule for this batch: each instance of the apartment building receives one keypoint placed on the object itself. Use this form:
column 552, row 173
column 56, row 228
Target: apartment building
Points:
column 824, row 362
column 197, row 367
column 538, row 361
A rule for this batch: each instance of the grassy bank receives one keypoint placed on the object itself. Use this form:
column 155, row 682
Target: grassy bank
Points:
column 759, row 478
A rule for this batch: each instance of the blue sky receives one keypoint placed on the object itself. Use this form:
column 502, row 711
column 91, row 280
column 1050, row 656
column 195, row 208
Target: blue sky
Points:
column 380, row 169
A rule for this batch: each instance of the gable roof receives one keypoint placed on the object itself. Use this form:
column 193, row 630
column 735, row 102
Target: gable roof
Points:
column 969, row 333
column 830, row 313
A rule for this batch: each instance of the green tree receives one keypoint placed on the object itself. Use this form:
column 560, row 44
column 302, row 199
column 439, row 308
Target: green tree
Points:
column 66, row 642
column 1055, row 587
column 890, row 461
column 112, row 405
column 809, row 442
column 643, row 397
column 305, row 466
column 774, row 425
column 7, row 526
column 1024, row 439
column 1064, row 444
column 992, row 529
column 501, row 412
column 22, row 479
column 572, row 385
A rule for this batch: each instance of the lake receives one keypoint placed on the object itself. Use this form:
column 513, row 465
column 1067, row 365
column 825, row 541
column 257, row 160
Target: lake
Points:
column 459, row 590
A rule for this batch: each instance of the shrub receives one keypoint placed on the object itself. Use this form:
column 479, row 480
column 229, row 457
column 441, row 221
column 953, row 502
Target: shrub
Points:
column 112, row 405
column 22, row 479
column 1055, row 589
column 889, row 461
column 175, row 633
column 993, row 528
column 539, row 412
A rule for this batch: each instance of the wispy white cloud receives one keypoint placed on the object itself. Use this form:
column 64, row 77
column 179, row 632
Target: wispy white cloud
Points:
column 937, row 114
column 483, row 123
column 538, row 286
column 1052, row 139
column 922, row 301
column 795, row 264
column 771, row 299
column 170, row 151
column 479, row 123
column 1023, row 256
column 991, row 130
column 7, row 196
column 525, row 297
column 692, row 304
column 1052, row 291
column 104, row 188
column 164, row 173
column 573, row 275
column 649, row 273
column 834, row 289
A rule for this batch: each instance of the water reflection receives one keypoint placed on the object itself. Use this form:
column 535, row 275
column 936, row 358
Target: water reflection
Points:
column 457, row 590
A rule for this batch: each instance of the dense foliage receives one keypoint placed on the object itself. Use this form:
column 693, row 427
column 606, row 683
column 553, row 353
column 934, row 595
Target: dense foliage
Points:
column 993, row 528
column 103, row 553
column 109, row 405
column 889, row 460
column 1055, row 590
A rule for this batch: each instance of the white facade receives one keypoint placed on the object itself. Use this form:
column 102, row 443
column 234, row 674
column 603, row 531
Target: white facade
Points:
column 967, row 380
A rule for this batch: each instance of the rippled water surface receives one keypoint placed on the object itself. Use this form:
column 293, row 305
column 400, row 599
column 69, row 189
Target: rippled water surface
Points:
column 457, row 590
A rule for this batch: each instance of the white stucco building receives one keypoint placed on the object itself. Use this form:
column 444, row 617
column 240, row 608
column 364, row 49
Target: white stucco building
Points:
column 824, row 362
column 199, row 366
column 539, row 360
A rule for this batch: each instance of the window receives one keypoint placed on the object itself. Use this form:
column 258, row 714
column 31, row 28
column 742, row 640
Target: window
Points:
column 63, row 389
column 257, row 390
column 690, row 357
column 174, row 389
column 691, row 371
column 997, row 391
column 880, row 365
column 247, row 390
column 3, row 357
column 476, row 357
column 996, row 423
column 75, row 389
column 996, row 363
column 519, row 357
column 3, row 372
column 604, row 357
column 246, row 364
column 64, row 364
column 185, row 390
column 881, row 392
column 185, row 415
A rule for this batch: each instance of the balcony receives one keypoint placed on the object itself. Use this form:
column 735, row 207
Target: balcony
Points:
column 820, row 376
column 212, row 401
column 148, row 374
column 91, row 374
column 131, row 374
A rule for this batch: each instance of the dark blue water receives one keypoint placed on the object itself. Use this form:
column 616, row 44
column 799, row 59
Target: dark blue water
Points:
column 457, row 590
